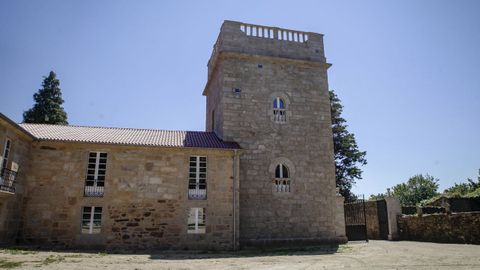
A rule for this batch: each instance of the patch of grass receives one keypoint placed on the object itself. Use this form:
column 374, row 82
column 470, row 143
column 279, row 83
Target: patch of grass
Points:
column 102, row 253
column 17, row 251
column 8, row 265
column 53, row 259
column 344, row 248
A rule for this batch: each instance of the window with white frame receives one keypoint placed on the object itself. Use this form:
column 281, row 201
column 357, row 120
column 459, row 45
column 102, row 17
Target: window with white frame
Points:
column 279, row 111
column 197, row 178
column 91, row 219
column 282, row 178
column 96, row 170
column 196, row 220
column 6, row 153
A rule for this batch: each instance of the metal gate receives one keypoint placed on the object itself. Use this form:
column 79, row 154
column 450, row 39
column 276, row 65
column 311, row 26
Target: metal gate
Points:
column 382, row 219
column 356, row 219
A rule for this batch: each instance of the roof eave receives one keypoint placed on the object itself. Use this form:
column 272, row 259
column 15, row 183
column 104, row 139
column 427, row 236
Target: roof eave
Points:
column 139, row 145
column 17, row 126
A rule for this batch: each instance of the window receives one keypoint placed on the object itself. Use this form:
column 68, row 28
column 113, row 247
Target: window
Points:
column 197, row 178
column 281, row 171
column 96, row 170
column 7, row 176
column 279, row 112
column 91, row 219
column 282, row 178
column 196, row 220
column 6, row 153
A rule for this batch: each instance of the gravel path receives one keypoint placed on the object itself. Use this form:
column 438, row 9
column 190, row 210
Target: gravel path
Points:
column 372, row 255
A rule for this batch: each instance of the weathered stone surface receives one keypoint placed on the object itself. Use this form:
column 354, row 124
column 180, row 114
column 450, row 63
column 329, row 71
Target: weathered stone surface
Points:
column 441, row 228
column 135, row 215
column 263, row 69
column 11, row 204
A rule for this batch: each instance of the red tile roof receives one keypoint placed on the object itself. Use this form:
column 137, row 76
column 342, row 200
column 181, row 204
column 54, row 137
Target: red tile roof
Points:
column 128, row 136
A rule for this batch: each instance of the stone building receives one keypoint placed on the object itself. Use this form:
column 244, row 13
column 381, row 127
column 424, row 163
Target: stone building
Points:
column 262, row 173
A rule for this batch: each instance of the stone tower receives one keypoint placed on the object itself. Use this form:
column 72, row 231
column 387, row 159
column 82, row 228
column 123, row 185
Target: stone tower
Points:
column 267, row 90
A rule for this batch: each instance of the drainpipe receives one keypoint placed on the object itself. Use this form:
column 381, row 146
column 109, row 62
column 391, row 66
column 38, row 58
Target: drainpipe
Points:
column 234, row 185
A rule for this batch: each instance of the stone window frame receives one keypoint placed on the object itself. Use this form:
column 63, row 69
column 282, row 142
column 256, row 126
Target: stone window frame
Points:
column 91, row 220
column 95, row 190
column 199, row 192
column 271, row 110
column 196, row 220
column 282, row 185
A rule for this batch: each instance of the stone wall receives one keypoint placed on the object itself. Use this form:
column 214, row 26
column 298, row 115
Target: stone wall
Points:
column 19, row 159
column 264, row 69
column 442, row 228
column 145, row 204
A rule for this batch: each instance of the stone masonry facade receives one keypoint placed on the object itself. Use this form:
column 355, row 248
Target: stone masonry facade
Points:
column 252, row 66
column 11, row 204
column 263, row 171
column 145, row 202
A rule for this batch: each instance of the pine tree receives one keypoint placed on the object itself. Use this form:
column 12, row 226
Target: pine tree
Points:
column 348, row 157
column 48, row 104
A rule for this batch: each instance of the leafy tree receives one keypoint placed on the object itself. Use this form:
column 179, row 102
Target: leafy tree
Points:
column 48, row 104
column 348, row 157
column 375, row 197
column 459, row 189
column 464, row 189
column 416, row 189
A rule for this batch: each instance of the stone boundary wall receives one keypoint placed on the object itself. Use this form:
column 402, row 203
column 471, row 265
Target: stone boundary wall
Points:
column 461, row 228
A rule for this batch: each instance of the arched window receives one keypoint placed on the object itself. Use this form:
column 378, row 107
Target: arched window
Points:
column 281, row 171
column 278, row 103
column 282, row 178
column 279, row 112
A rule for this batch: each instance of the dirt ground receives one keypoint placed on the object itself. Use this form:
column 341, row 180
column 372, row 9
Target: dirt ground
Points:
column 372, row 255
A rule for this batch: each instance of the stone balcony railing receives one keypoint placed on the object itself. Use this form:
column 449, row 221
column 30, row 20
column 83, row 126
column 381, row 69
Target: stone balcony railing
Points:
column 94, row 191
column 197, row 193
column 7, row 180
column 279, row 116
column 268, row 32
column 282, row 185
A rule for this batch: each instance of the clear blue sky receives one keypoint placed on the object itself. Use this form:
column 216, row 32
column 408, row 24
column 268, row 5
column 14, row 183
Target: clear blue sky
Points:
column 408, row 72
